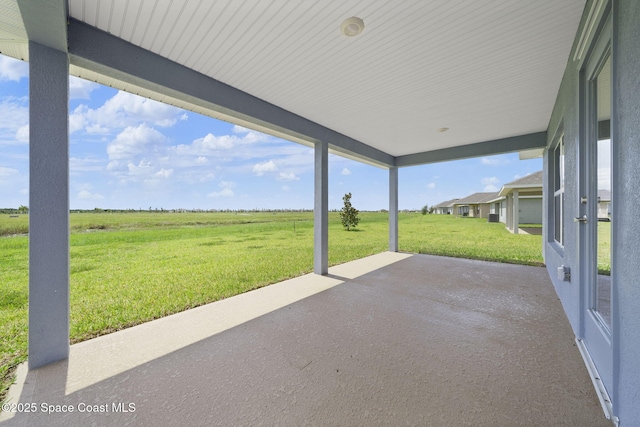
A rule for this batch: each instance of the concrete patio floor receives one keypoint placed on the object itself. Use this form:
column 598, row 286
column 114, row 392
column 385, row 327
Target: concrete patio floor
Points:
column 391, row 339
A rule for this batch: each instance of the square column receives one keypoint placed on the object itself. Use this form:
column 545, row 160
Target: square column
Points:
column 393, row 209
column 321, row 209
column 516, row 212
column 509, row 202
column 48, row 205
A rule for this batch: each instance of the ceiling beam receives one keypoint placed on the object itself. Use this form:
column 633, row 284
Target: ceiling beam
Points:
column 105, row 54
column 45, row 22
column 487, row 148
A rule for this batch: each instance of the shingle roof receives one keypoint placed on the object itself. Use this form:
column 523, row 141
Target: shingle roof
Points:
column 476, row 198
column 445, row 204
column 529, row 180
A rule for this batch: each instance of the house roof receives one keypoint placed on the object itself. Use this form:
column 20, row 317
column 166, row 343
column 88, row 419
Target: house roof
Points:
column 488, row 70
column 446, row 204
column 476, row 199
column 533, row 180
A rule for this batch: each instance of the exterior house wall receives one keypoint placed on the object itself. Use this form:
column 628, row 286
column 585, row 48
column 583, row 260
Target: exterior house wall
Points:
column 530, row 211
column 626, row 269
column 503, row 211
column 565, row 120
column 485, row 209
column 603, row 210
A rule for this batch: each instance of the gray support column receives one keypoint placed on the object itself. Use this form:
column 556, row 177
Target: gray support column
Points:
column 393, row 209
column 516, row 212
column 508, row 202
column 48, row 205
column 321, row 209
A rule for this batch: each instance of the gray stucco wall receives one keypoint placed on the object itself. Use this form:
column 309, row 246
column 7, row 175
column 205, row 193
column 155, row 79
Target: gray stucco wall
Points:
column 626, row 181
column 565, row 118
column 626, row 268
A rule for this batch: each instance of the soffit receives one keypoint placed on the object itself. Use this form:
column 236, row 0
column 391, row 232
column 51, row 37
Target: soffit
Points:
column 487, row 70
column 13, row 34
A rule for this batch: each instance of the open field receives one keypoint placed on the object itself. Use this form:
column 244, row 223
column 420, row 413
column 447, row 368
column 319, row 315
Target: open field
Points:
column 129, row 268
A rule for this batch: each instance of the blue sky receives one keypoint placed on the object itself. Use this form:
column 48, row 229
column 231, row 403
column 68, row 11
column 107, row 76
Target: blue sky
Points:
column 130, row 152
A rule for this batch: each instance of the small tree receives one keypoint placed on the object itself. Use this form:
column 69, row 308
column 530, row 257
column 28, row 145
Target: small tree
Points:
column 23, row 209
column 349, row 214
column 425, row 209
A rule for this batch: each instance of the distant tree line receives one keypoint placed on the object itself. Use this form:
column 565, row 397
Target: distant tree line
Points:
column 22, row 209
column 180, row 210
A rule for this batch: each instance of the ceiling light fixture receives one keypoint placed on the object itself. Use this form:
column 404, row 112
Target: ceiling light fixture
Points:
column 352, row 26
column 441, row 130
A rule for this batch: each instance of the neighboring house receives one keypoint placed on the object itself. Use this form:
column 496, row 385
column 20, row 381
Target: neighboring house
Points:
column 604, row 205
column 475, row 205
column 524, row 196
column 444, row 208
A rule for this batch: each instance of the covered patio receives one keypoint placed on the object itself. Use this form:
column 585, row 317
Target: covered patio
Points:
column 391, row 339
column 415, row 339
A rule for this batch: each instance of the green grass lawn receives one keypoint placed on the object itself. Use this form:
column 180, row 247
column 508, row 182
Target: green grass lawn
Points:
column 604, row 248
column 130, row 268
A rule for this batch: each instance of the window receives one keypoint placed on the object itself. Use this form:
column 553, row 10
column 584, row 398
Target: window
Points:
column 558, row 191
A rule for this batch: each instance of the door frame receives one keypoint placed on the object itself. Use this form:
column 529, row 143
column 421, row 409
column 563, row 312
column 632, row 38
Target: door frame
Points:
column 596, row 343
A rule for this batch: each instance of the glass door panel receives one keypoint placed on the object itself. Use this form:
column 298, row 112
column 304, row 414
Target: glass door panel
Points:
column 601, row 292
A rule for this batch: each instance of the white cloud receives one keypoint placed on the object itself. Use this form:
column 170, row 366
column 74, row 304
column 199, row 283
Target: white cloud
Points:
column 345, row 171
column 22, row 134
column 144, row 167
column 12, row 69
column 490, row 180
column 495, row 161
column 97, row 128
column 133, row 142
column 4, row 172
column 84, row 165
column 431, row 185
column 226, row 190
column 77, row 118
column 516, row 176
column 87, row 195
column 14, row 120
column 124, row 110
column 260, row 168
column 240, row 129
column 282, row 176
column 244, row 147
column 490, row 183
column 201, row 160
column 80, row 88
column 208, row 177
column 212, row 142
column 164, row 173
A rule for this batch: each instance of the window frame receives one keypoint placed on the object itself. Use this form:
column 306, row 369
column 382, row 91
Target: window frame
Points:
column 558, row 190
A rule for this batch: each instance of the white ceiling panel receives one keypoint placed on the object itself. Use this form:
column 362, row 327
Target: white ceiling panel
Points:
column 486, row 69
column 11, row 25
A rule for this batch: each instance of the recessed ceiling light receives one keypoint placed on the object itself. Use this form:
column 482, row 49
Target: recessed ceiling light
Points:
column 352, row 26
column 441, row 130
